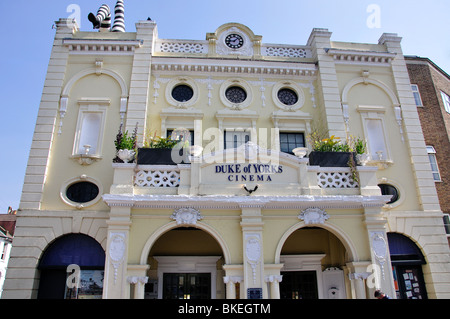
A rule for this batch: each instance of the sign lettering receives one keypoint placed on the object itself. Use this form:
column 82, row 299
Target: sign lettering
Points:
column 249, row 172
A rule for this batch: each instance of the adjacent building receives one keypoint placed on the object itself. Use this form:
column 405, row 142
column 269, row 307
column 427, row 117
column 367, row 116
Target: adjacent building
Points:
column 431, row 87
column 7, row 228
column 244, row 214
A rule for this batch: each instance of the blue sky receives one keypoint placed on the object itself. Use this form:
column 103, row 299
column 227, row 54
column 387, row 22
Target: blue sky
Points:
column 27, row 36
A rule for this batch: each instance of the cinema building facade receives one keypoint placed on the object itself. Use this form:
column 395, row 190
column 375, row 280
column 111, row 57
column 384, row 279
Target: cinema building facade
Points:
column 246, row 213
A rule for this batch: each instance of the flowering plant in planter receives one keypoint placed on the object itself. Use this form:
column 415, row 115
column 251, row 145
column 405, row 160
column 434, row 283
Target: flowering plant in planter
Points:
column 333, row 148
column 162, row 151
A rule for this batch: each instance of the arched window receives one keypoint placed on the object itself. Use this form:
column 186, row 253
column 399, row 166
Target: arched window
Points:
column 73, row 249
column 407, row 261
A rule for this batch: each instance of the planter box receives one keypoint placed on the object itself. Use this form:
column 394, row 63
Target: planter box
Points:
column 330, row 159
column 159, row 156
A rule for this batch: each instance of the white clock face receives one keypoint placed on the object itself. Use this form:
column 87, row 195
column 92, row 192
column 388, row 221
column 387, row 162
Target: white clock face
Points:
column 234, row 41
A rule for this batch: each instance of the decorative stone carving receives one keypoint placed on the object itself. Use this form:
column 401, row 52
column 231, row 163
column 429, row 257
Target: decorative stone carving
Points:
column 136, row 279
column 186, row 216
column 253, row 251
column 117, row 249
column 379, row 248
column 313, row 216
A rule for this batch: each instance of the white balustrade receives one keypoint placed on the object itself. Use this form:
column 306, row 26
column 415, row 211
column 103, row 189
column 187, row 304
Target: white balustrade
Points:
column 336, row 178
column 157, row 176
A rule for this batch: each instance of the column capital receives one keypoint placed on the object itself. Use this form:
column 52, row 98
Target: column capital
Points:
column 232, row 279
column 274, row 278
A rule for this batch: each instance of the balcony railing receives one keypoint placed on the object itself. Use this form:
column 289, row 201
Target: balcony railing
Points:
column 190, row 179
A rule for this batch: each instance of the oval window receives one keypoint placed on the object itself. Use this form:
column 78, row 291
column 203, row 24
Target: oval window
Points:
column 387, row 189
column 82, row 192
column 182, row 93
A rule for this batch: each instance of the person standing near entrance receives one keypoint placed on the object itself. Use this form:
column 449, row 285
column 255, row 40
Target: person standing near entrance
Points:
column 380, row 295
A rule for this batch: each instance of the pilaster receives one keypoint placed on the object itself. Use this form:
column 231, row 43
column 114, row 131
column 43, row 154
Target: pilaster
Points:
column 380, row 269
column 319, row 41
column 146, row 32
column 115, row 283
column 413, row 131
column 252, row 234
column 45, row 128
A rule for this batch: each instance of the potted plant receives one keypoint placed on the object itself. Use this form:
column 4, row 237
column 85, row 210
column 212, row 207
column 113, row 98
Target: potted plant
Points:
column 361, row 151
column 162, row 151
column 330, row 152
column 125, row 146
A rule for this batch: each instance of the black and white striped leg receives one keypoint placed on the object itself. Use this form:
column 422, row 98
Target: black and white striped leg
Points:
column 103, row 18
column 119, row 18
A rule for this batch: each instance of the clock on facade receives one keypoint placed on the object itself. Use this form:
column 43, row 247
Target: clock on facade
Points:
column 234, row 41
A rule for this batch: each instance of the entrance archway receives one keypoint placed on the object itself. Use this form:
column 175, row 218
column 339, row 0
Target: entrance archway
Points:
column 185, row 263
column 314, row 260
column 74, row 249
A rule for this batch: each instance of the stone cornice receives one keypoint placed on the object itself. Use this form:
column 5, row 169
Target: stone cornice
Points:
column 237, row 202
column 361, row 57
column 102, row 46
column 233, row 67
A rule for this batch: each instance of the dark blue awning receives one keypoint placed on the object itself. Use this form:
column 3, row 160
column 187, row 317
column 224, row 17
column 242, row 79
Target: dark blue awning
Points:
column 77, row 249
column 403, row 250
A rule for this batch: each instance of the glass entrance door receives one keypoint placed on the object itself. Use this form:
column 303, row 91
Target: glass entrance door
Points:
column 299, row 285
column 187, row 286
column 409, row 283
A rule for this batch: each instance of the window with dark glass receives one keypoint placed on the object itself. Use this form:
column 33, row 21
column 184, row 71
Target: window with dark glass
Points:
column 290, row 141
column 387, row 189
column 236, row 94
column 182, row 93
column 82, row 192
column 287, row 97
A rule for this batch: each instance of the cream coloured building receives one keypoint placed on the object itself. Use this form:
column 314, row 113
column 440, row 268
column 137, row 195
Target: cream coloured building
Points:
column 244, row 218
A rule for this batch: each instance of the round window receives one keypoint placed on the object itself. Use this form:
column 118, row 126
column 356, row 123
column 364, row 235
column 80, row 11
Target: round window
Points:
column 287, row 96
column 82, row 192
column 236, row 94
column 387, row 189
column 182, row 93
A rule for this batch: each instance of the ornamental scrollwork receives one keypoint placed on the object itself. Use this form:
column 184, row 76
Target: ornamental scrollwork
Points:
column 186, row 216
column 312, row 216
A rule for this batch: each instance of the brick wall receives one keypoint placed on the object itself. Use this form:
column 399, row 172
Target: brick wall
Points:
column 434, row 119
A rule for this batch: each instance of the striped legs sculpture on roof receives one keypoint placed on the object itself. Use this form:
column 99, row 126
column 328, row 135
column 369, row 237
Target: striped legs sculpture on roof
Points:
column 102, row 20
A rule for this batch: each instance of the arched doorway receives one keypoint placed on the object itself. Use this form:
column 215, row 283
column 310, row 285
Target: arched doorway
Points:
column 314, row 260
column 73, row 249
column 185, row 263
column 407, row 261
